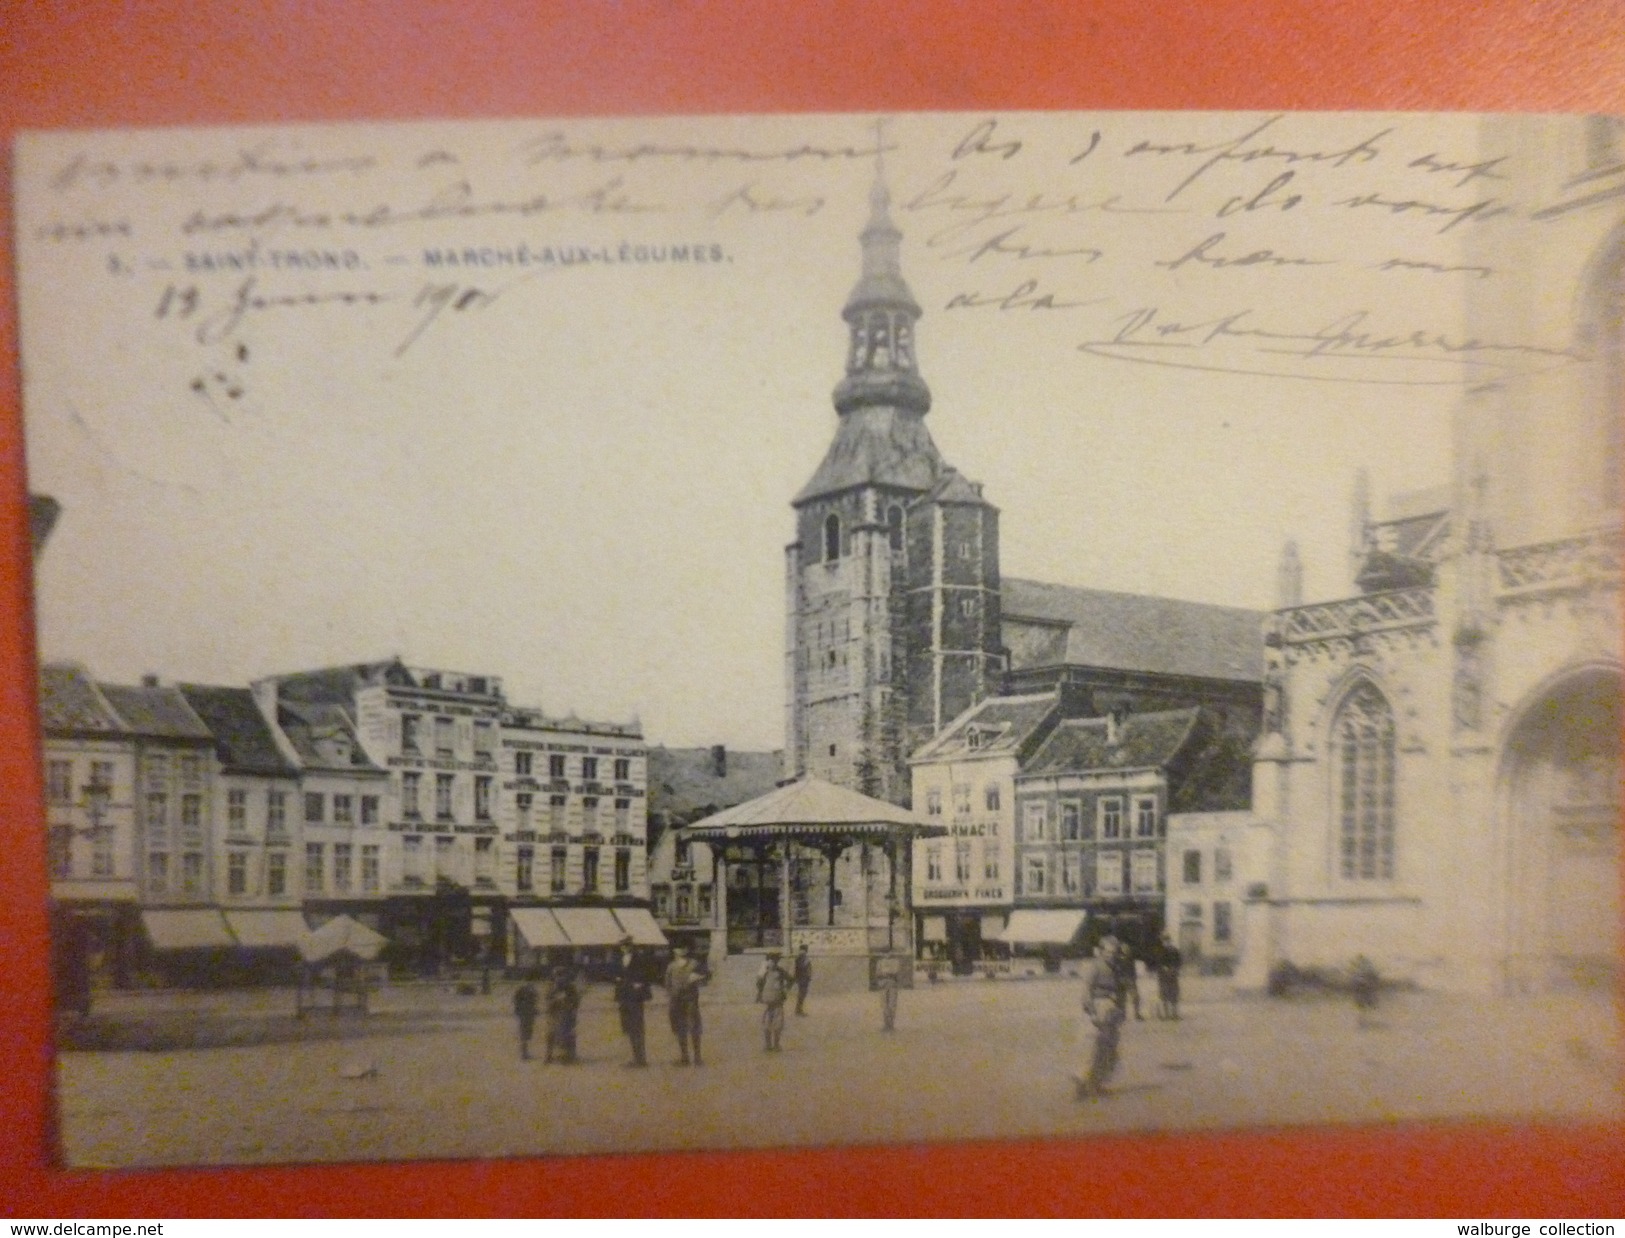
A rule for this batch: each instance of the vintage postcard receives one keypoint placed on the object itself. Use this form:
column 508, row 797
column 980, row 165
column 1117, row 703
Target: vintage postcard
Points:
column 594, row 636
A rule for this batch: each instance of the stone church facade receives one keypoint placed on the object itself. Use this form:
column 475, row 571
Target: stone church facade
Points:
column 1439, row 774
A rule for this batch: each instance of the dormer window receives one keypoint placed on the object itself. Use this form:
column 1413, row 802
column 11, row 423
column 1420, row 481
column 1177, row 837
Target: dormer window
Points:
column 832, row 538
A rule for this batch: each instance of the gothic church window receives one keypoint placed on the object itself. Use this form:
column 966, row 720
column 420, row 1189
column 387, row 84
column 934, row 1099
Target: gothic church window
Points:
column 1363, row 739
column 832, row 538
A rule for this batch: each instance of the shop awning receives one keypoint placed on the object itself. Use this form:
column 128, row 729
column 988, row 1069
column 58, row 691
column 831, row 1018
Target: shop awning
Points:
column 589, row 926
column 992, row 925
column 1042, row 928
column 267, row 929
column 640, row 926
column 934, row 928
column 341, row 935
column 538, row 927
column 192, row 928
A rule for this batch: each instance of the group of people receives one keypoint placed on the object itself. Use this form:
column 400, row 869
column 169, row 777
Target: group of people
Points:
column 560, row 1000
column 775, row 982
column 1111, row 984
column 684, row 976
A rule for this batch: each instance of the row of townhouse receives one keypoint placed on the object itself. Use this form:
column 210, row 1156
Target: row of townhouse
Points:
column 187, row 818
column 1062, row 824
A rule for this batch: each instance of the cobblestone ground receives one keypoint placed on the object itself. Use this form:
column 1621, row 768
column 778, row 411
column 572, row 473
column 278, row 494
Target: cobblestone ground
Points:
column 968, row 1060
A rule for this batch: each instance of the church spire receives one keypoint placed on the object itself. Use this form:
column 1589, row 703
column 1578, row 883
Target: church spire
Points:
column 881, row 313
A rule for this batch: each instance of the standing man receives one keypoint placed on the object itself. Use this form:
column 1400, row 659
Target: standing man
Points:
column 888, row 976
column 1128, row 979
column 1169, row 961
column 525, row 1005
column 683, row 981
column 772, row 991
column 1103, row 1008
column 803, row 978
column 631, row 991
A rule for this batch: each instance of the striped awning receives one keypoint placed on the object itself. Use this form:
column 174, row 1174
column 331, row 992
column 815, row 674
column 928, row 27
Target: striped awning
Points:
column 267, row 928
column 190, row 928
column 538, row 927
column 640, row 926
column 1042, row 928
column 589, row 926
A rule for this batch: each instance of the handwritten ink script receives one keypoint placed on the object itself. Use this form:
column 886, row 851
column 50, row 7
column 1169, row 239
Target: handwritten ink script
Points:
column 1307, row 249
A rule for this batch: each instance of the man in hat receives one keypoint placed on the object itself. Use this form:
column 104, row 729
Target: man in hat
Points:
column 803, row 978
column 526, row 1003
column 772, row 990
column 631, row 991
column 683, row 980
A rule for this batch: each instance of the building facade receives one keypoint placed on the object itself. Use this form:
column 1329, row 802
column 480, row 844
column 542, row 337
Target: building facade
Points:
column 573, row 809
column 1439, row 771
column 90, row 807
column 1213, row 867
column 253, row 828
column 965, row 779
column 1092, row 810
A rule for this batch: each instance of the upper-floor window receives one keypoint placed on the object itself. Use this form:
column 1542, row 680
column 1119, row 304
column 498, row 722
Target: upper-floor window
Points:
column 1222, row 870
column 623, row 769
column 1363, row 751
column 894, row 527
column 962, row 799
column 484, row 739
column 315, row 806
column 59, row 781
column 444, row 736
column 343, row 810
column 1193, row 868
column 589, row 769
column 237, row 811
column 1035, row 822
column 442, row 796
column 521, row 764
column 832, row 538
column 933, row 803
column 1071, row 818
column 933, row 862
column 1109, row 872
column 1111, row 816
column 990, row 796
column 369, row 810
column 555, row 766
column 276, row 813
column 410, row 726
column 1145, row 816
column 409, row 794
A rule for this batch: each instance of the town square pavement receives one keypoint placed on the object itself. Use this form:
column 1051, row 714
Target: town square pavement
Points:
column 434, row 1073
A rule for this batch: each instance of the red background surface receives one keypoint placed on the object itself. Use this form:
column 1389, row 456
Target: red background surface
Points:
column 81, row 65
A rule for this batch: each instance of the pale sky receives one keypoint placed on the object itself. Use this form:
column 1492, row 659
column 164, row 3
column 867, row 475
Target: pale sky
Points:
column 578, row 476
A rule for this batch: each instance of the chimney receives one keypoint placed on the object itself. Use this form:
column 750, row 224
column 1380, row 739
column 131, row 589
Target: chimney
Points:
column 719, row 760
column 149, row 681
column 1117, row 710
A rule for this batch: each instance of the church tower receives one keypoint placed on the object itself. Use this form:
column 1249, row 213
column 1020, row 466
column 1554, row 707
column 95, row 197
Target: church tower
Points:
column 893, row 579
